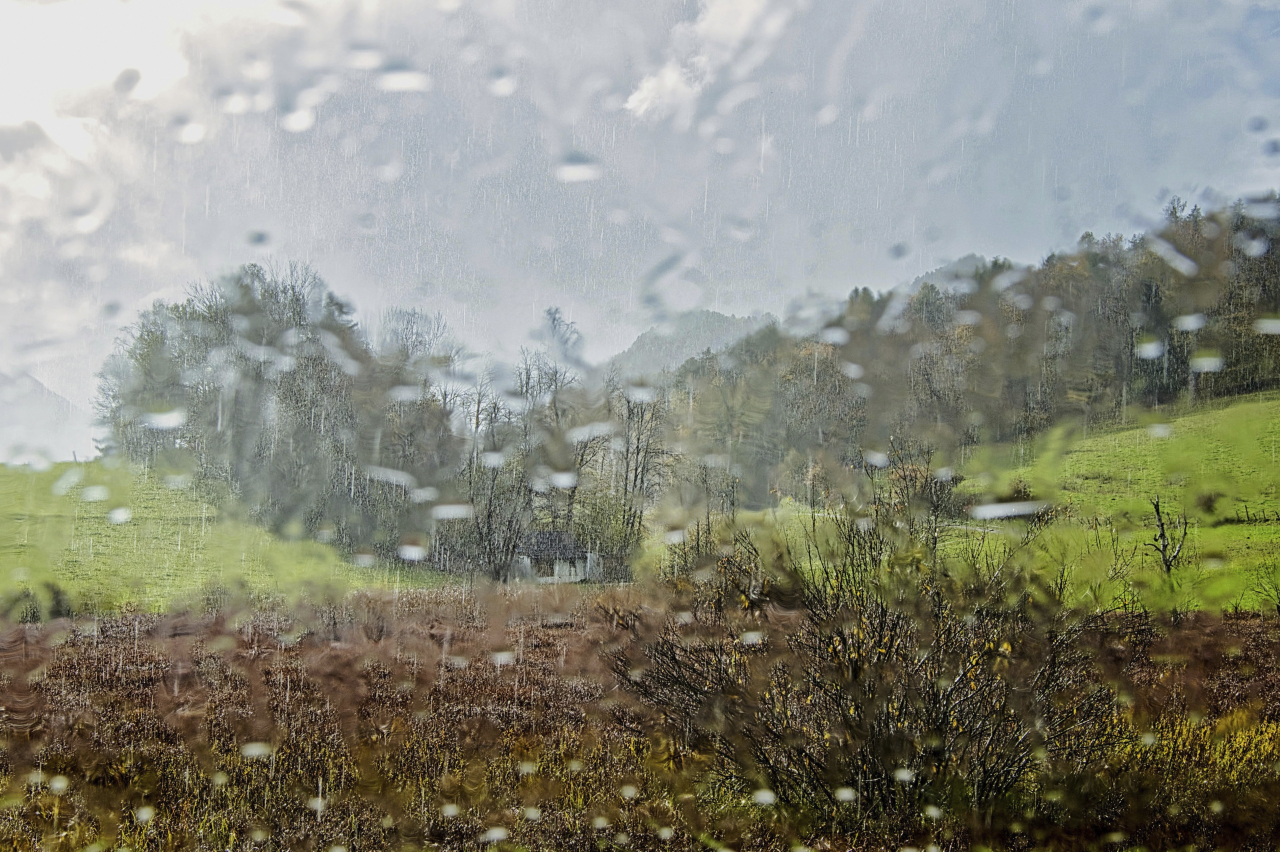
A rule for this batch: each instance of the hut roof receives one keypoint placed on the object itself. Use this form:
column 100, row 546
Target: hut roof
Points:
column 543, row 544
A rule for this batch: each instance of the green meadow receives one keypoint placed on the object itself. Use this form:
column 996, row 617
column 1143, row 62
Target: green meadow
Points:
column 1217, row 465
column 111, row 537
column 108, row 538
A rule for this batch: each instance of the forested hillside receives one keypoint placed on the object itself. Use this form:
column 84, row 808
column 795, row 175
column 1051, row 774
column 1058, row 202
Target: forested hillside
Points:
column 266, row 391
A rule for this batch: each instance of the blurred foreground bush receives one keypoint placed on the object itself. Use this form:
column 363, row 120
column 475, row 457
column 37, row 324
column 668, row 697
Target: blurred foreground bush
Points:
column 870, row 704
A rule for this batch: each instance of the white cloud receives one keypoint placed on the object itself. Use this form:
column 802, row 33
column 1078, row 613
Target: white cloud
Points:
column 668, row 89
column 734, row 34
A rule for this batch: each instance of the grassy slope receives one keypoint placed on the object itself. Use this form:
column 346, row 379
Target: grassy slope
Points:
column 1214, row 462
column 1229, row 449
column 172, row 549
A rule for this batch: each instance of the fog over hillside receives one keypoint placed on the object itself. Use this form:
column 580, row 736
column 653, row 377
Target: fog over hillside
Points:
column 687, row 336
column 40, row 426
column 624, row 162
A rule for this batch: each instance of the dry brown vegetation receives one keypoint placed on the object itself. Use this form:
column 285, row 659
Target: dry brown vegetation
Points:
column 453, row 720
column 427, row 719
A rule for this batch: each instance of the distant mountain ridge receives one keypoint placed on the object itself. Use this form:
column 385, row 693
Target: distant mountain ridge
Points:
column 687, row 336
column 41, row 426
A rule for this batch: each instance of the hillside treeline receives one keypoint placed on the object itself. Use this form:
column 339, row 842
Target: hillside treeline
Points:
column 263, row 389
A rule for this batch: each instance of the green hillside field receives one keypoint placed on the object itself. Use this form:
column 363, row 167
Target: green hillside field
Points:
column 1217, row 463
column 109, row 537
column 112, row 537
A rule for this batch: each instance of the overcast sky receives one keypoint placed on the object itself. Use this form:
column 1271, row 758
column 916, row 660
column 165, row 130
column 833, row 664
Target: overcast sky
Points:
column 618, row 159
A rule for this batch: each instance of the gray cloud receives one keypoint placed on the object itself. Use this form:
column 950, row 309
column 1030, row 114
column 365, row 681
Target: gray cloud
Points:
column 621, row 161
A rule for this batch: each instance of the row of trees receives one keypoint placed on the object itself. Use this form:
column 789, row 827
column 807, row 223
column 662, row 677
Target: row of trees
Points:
column 265, row 391
column 396, row 442
column 984, row 353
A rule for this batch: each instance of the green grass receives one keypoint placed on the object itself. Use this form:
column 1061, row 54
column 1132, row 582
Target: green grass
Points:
column 162, row 547
column 1215, row 463
column 1218, row 463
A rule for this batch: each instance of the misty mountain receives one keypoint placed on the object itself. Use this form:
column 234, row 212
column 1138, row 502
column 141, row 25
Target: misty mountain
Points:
column 39, row 425
column 688, row 335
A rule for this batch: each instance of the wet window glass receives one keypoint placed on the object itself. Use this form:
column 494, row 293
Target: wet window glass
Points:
column 734, row 424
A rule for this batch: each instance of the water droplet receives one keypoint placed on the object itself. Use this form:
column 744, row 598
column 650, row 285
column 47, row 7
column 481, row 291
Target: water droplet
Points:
column 95, row 493
column 403, row 80
column 255, row 750
column 363, row 57
column 876, row 459
column 121, row 515
column 834, row 335
column 191, row 133
column 126, row 81
column 1251, row 246
column 640, row 394
column 577, row 167
column 1189, row 322
column 736, row 96
column 235, row 103
column 1016, row 509
column 298, row 121
column 764, row 797
column 291, row 13
column 1207, row 363
column 256, row 68
column 1264, row 209
column 899, row 250
column 1150, row 349
column 67, row 481
column 1267, row 325
column 144, row 814
column 502, row 83
column 412, row 552
column 165, row 420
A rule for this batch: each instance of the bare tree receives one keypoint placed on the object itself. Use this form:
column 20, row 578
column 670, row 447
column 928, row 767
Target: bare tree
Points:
column 1266, row 583
column 873, row 681
column 1169, row 538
